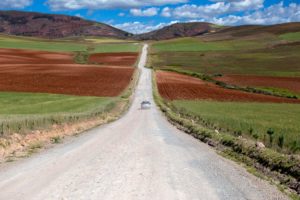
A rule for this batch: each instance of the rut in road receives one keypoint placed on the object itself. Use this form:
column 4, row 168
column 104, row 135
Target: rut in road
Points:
column 140, row 156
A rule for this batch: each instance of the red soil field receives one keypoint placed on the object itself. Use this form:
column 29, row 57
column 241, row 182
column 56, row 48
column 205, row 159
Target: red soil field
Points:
column 18, row 56
column 119, row 59
column 62, row 79
column 174, row 86
column 290, row 83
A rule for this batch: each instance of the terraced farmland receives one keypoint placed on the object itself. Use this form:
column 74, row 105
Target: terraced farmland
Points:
column 265, row 63
column 39, row 70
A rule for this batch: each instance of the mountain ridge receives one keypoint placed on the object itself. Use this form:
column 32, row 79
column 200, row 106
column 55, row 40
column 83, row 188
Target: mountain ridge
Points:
column 53, row 26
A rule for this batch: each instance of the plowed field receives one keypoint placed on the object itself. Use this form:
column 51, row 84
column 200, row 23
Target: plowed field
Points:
column 290, row 83
column 65, row 79
column 17, row 56
column 117, row 59
column 175, row 86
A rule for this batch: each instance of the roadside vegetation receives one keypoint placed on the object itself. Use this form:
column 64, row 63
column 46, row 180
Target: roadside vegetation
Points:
column 252, row 120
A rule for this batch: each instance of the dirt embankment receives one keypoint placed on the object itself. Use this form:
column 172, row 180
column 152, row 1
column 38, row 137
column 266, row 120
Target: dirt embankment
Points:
column 174, row 86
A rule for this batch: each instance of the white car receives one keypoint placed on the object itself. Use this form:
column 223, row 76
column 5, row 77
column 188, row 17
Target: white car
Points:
column 145, row 105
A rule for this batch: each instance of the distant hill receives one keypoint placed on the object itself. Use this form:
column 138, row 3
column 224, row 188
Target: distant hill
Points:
column 254, row 30
column 53, row 26
column 179, row 30
column 58, row 26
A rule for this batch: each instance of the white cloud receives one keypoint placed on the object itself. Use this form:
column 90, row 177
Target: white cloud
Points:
column 14, row 4
column 146, row 13
column 274, row 14
column 107, row 4
column 121, row 14
column 166, row 12
column 192, row 11
column 277, row 13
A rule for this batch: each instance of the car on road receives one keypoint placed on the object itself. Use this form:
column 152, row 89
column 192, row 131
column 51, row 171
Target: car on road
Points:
column 145, row 105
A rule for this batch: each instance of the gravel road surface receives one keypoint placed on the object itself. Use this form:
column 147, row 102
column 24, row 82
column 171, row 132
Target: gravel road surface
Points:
column 140, row 156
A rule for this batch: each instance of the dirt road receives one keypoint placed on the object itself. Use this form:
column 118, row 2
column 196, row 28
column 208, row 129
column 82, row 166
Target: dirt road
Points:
column 140, row 156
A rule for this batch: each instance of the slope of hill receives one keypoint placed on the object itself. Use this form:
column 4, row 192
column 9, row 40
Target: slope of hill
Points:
column 178, row 30
column 53, row 26
column 254, row 30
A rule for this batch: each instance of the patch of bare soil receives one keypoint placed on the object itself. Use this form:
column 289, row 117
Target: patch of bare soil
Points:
column 19, row 56
column 174, row 86
column 118, row 59
column 62, row 79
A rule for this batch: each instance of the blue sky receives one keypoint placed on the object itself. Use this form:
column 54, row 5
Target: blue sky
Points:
column 145, row 15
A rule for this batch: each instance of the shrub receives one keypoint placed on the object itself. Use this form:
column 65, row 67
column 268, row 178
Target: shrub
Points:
column 255, row 136
column 281, row 141
column 227, row 140
column 238, row 133
column 270, row 132
column 295, row 147
column 251, row 131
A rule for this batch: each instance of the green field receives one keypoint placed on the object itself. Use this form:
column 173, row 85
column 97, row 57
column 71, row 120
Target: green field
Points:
column 69, row 44
column 291, row 36
column 20, row 112
column 196, row 44
column 12, row 103
column 235, row 117
column 255, row 57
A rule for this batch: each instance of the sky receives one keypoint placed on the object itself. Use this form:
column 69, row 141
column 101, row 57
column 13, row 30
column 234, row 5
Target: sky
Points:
column 138, row 16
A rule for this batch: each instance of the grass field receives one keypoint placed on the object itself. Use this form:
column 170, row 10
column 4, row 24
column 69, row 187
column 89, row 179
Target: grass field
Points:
column 195, row 44
column 68, row 45
column 227, row 57
column 291, row 36
column 35, row 103
column 22, row 112
column 251, row 119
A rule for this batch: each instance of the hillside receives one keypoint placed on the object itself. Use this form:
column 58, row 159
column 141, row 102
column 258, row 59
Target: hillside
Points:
column 254, row 31
column 53, row 26
column 58, row 26
column 178, row 30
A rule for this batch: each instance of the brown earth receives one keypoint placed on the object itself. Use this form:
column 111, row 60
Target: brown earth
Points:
column 174, row 86
column 119, row 59
column 18, row 56
column 290, row 83
column 62, row 79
